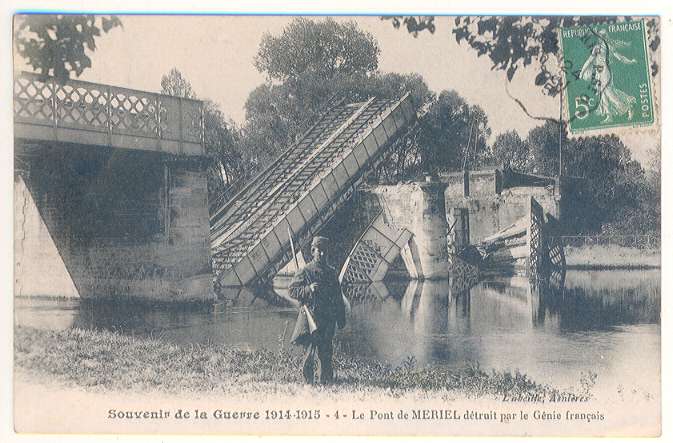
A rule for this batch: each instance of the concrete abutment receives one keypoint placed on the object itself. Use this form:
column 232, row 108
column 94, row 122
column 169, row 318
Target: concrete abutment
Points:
column 100, row 223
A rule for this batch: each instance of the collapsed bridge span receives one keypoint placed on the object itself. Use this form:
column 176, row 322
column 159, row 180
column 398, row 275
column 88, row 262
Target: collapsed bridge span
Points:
column 298, row 193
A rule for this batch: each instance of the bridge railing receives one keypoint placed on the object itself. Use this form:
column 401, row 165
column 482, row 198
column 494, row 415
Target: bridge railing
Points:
column 219, row 207
column 90, row 113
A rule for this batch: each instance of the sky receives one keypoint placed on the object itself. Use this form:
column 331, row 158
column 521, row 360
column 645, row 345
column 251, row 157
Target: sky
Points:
column 215, row 53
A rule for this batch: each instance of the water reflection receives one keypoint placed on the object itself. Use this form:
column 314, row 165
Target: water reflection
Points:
column 597, row 320
column 497, row 319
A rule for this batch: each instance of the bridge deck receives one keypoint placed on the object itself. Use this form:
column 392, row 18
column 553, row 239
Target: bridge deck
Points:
column 301, row 189
column 103, row 115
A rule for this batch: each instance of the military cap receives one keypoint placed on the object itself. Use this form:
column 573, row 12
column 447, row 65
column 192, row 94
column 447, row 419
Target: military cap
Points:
column 320, row 241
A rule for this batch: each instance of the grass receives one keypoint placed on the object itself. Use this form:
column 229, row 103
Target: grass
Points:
column 611, row 257
column 103, row 360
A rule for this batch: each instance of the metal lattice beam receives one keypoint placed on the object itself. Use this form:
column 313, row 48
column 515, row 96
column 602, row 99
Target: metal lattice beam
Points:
column 301, row 190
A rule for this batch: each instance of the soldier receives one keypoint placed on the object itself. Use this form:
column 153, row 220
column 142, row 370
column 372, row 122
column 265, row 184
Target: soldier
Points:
column 316, row 286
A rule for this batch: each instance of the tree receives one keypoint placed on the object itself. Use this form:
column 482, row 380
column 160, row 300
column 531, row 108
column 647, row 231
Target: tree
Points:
column 615, row 182
column 543, row 145
column 313, row 62
column 617, row 197
column 273, row 120
column 306, row 65
column 652, row 205
column 405, row 157
column 322, row 49
column 453, row 134
column 450, row 136
column 511, row 151
column 58, row 44
column 176, row 85
column 223, row 142
column 654, row 176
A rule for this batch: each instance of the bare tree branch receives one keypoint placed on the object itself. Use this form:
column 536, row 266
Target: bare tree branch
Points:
column 525, row 110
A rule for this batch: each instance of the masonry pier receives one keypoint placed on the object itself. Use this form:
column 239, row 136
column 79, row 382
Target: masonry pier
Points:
column 430, row 229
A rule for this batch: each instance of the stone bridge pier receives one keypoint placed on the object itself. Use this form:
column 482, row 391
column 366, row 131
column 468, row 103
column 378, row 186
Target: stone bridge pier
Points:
column 430, row 229
column 110, row 224
column 410, row 226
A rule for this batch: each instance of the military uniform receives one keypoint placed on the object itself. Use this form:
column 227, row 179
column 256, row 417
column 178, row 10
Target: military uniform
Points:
column 329, row 311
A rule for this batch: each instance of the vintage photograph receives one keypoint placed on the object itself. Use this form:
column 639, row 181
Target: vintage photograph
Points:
column 337, row 225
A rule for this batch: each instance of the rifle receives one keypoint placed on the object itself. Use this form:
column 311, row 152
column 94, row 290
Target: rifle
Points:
column 309, row 316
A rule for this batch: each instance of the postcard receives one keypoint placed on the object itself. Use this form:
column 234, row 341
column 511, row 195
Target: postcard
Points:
column 337, row 225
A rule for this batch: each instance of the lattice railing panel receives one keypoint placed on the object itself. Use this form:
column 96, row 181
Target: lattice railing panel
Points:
column 556, row 267
column 139, row 113
column 362, row 263
column 536, row 239
column 359, row 293
column 108, row 109
column 463, row 275
column 33, row 100
column 81, row 107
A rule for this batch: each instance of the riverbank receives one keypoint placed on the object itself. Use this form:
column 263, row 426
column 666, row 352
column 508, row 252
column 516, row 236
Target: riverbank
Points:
column 108, row 361
column 606, row 257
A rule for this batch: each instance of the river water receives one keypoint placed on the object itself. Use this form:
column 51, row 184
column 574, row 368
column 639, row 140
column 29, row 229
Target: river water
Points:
column 601, row 322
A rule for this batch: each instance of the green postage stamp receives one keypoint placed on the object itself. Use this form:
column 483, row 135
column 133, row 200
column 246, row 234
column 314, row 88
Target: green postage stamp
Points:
column 607, row 76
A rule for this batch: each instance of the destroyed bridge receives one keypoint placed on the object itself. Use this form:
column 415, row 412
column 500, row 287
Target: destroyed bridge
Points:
column 111, row 187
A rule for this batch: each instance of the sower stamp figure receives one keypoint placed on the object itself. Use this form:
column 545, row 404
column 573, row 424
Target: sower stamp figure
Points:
column 316, row 286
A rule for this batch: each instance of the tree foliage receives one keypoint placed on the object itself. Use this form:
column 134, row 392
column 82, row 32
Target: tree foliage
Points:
column 276, row 117
column 308, row 64
column 58, row 44
column 319, row 49
column 312, row 62
column 616, row 182
column 176, row 85
column 651, row 207
column 454, row 134
column 511, row 151
column 617, row 196
column 450, row 136
column 222, row 140
column 516, row 42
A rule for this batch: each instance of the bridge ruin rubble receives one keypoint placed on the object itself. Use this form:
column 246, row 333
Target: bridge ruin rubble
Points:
column 464, row 224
